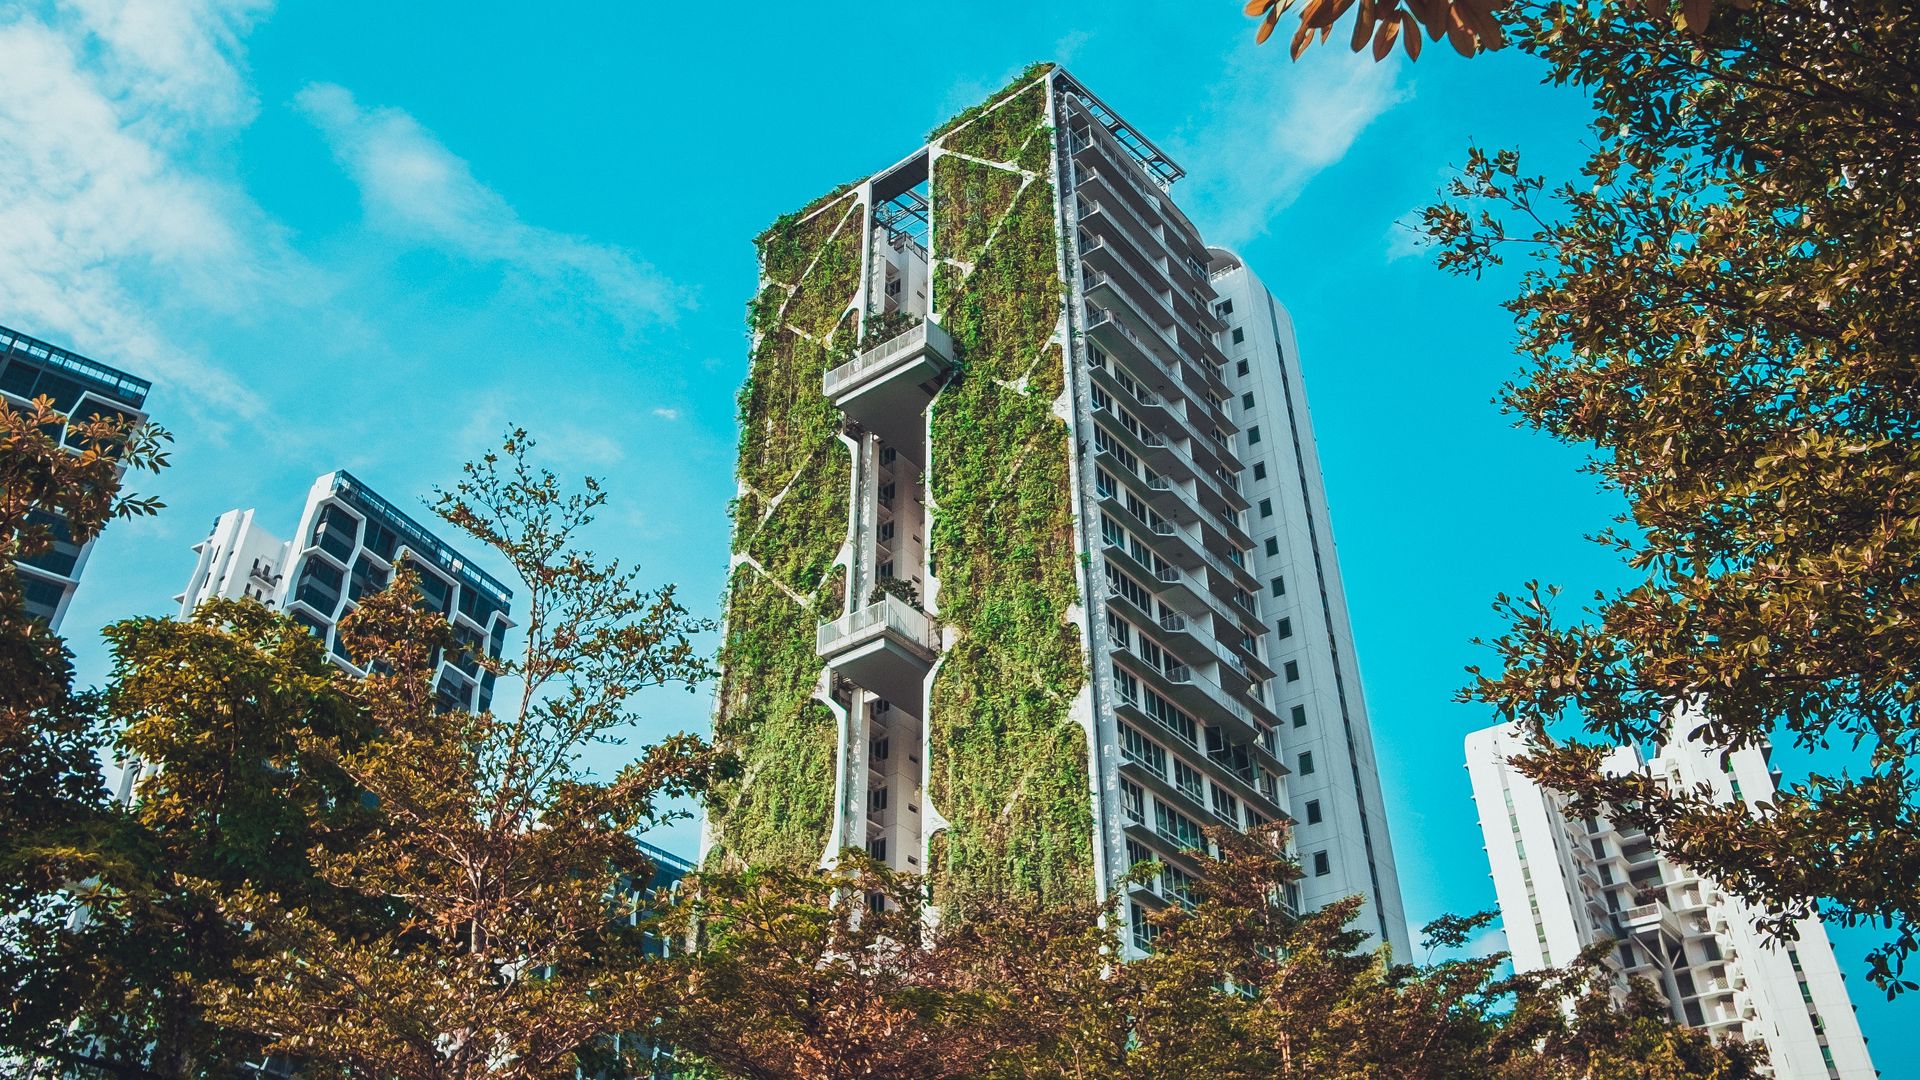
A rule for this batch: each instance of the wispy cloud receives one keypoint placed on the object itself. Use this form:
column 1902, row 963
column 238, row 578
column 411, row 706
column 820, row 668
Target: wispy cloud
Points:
column 100, row 106
column 416, row 189
column 667, row 414
column 1271, row 126
column 1405, row 239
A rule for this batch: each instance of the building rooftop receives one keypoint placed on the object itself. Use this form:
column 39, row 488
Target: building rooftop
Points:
column 419, row 538
column 91, row 374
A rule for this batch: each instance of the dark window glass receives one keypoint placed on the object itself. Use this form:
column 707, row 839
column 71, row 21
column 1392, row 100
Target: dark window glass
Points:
column 1259, row 470
column 1239, row 335
column 1223, row 309
column 1266, row 508
column 1253, row 434
column 1240, row 368
column 1293, row 671
column 335, row 531
column 1273, row 545
column 1246, row 400
column 1299, row 716
column 1322, row 866
column 1313, row 811
column 1306, row 764
column 1284, row 627
column 1279, row 586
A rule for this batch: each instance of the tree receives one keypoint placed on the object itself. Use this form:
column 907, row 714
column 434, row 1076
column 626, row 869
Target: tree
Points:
column 60, row 477
column 215, row 710
column 1722, row 307
column 841, row 974
column 1470, row 26
column 517, row 951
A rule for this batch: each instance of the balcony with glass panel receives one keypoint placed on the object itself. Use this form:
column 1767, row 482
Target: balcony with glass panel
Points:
column 886, row 388
column 886, row 647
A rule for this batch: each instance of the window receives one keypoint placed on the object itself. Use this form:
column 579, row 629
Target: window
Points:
column 877, row 799
column 886, row 494
column 1259, row 470
column 1178, row 827
column 1142, row 750
column 886, row 531
column 1187, row 779
column 1240, row 368
column 1306, row 764
column 1226, row 806
column 1239, row 335
column 1313, row 811
column 879, row 749
column 1266, row 508
column 1322, row 866
column 877, row 847
column 1103, row 483
column 1279, row 585
column 1299, row 715
column 888, row 455
column 1253, row 434
column 1284, row 628
column 1246, row 400
column 1293, row 671
column 1273, row 545
column 1223, row 309
column 1125, row 685
column 1133, row 800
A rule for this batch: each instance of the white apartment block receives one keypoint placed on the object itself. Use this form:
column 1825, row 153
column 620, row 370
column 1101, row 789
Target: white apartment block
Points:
column 346, row 544
column 1339, row 820
column 1565, row 884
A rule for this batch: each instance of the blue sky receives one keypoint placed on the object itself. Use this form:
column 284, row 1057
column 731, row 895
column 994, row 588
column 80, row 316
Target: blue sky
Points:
column 363, row 235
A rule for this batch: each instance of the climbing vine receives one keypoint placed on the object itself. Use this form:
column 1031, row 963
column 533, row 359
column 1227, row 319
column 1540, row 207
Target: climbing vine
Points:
column 1008, row 763
column 788, row 524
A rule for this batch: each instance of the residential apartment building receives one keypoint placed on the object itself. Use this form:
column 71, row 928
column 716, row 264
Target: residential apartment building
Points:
column 82, row 389
column 346, row 544
column 1032, row 576
column 1566, row 884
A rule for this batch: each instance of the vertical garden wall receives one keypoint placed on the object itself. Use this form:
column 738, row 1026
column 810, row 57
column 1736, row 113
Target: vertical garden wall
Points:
column 789, row 523
column 1008, row 762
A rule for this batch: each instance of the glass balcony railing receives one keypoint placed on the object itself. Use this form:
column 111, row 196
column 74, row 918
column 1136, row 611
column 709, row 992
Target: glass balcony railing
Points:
column 922, row 338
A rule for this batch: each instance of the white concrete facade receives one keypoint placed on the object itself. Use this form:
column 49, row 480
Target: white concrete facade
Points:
column 1564, row 885
column 349, row 540
column 1340, row 823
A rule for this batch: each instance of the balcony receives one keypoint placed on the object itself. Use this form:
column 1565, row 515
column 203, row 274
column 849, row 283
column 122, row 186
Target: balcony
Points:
column 886, row 647
column 886, row 388
column 1653, row 919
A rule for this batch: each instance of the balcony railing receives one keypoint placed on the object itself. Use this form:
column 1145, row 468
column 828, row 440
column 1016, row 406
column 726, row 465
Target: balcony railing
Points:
column 922, row 336
column 890, row 614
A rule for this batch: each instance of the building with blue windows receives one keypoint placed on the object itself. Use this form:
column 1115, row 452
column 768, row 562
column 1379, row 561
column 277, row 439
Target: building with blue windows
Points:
column 84, row 390
column 347, row 544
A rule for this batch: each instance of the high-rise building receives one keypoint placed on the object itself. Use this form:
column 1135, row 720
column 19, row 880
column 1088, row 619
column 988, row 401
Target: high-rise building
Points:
column 1565, row 884
column 83, row 390
column 1032, row 576
column 347, row 544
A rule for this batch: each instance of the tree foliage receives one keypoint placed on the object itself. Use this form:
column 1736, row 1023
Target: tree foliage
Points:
column 513, row 872
column 793, row 976
column 1722, row 307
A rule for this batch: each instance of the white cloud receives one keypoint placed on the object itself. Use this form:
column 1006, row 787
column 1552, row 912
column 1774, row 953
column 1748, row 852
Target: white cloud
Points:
column 97, row 106
column 413, row 187
column 1273, row 125
column 667, row 414
column 566, row 436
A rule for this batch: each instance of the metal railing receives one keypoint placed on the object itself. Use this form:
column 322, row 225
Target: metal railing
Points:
column 922, row 334
column 890, row 613
column 118, row 383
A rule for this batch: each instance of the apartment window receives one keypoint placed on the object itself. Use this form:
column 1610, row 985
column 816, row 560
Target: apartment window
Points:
column 1142, row 750
column 1284, row 628
column 1226, row 806
column 1187, row 779
column 1313, row 811
column 1126, row 685
column 885, row 569
column 879, row 749
column 1223, row 309
column 1133, row 800
column 1273, row 545
column 877, row 847
column 1246, row 400
column 1299, row 715
column 1322, row 866
column 886, row 494
column 1239, row 335
column 1253, row 434
column 1306, row 763
column 1278, row 585
column 1103, row 483
column 1266, row 508
column 1293, row 671
column 877, row 799
column 1240, row 368
column 1259, row 470
column 886, row 530
column 888, row 455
